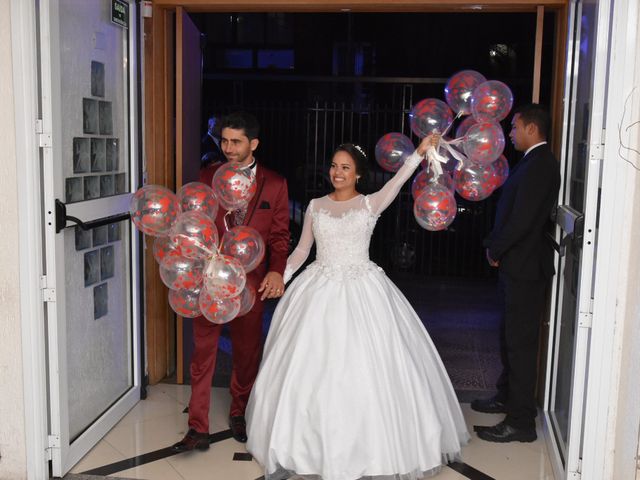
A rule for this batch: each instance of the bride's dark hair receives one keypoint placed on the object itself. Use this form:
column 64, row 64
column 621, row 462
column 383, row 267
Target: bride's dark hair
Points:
column 360, row 159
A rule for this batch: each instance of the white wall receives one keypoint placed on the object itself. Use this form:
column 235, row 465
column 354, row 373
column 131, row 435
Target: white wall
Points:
column 625, row 460
column 13, row 462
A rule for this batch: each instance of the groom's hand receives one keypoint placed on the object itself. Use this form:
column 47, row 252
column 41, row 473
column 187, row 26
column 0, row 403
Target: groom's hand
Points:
column 272, row 286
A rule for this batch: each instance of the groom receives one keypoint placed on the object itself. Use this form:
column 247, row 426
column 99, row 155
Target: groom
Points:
column 268, row 213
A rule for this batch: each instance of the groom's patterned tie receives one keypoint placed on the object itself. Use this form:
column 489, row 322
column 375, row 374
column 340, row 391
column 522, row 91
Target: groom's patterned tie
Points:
column 240, row 213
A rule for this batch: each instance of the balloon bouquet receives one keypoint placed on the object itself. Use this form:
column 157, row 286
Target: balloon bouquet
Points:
column 205, row 275
column 471, row 164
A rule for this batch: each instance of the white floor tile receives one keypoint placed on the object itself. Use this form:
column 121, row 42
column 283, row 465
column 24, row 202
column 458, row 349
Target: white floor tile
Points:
column 159, row 470
column 102, row 454
column 158, row 422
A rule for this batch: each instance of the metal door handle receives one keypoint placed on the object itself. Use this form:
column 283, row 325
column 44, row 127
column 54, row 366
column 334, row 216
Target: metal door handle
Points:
column 62, row 218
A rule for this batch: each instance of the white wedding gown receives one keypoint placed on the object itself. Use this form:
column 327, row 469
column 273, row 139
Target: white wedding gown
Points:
column 350, row 385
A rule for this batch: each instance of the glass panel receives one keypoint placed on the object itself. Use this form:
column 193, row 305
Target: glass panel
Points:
column 95, row 103
column 98, row 321
column 575, row 197
column 94, row 134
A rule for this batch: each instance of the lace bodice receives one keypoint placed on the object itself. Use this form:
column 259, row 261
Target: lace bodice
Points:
column 342, row 229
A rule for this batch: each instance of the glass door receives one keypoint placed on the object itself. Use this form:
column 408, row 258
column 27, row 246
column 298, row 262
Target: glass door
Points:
column 577, row 225
column 88, row 140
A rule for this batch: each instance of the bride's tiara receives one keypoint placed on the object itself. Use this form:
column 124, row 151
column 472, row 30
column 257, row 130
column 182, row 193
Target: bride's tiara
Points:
column 359, row 148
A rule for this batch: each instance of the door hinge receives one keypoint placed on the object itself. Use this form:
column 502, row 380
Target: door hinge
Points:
column 48, row 294
column 585, row 319
column 575, row 474
column 54, row 442
column 44, row 139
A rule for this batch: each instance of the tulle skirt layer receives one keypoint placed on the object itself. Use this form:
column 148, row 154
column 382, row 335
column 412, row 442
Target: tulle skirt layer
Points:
column 351, row 386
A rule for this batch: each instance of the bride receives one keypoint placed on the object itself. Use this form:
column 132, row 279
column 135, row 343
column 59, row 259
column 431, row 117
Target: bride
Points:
column 350, row 385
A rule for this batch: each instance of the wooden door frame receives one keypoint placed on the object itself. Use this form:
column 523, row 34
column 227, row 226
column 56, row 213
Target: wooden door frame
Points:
column 160, row 107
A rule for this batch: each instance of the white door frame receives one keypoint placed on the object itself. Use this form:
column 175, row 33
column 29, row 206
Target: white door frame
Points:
column 25, row 85
column 614, row 246
column 33, row 222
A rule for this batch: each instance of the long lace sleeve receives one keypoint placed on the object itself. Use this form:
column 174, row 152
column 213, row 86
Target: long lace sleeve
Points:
column 301, row 252
column 383, row 197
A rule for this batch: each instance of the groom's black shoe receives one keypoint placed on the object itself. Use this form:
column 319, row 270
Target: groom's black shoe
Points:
column 238, row 428
column 192, row 441
column 489, row 405
column 503, row 433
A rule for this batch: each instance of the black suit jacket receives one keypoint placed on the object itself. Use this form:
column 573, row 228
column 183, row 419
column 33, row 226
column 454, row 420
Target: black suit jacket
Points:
column 518, row 238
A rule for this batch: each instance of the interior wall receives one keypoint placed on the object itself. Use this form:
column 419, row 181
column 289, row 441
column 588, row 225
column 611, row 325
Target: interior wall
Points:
column 13, row 462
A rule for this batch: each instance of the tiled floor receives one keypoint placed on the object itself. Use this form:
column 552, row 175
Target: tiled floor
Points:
column 158, row 422
column 462, row 317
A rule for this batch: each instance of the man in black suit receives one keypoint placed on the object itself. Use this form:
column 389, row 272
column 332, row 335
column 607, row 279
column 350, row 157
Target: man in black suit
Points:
column 211, row 151
column 518, row 247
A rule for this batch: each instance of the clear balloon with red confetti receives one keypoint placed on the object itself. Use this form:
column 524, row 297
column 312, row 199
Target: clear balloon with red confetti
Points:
column 435, row 208
column 181, row 272
column 234, row 186
column 430, row 116
column 165, row 247
column 474, row 182
column 427, row 176
column 195, row 234
column 247, row 300
column 199, row 197
column 499, row 171
column 154, row 209
column 218, row 310
column 392, row 150
column 185, row 302
column 491, row 101
column 464, row 126
column 245, row 244
column 484, row 143
column 459, row 88
column 224, row 277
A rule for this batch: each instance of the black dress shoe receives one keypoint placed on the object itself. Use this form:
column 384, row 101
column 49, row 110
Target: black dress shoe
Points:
column 192, row 441
column 488, row 405
column 238, row 428
column 503, row 433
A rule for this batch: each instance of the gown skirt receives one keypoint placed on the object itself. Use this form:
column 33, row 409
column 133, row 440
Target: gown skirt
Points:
column 351, row 386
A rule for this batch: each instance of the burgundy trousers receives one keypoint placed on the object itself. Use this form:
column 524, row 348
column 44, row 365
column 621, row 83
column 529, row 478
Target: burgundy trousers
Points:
column 246, row 342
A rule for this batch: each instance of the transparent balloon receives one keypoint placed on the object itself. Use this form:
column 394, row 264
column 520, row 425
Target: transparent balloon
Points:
column 234, row 186
column 484, row 143
column 435, row 208
column 185, row 302
column 199, row 197
column 450, row 165
column 245, row 244
column 165, row 247
column 224, row 277
column 195, row 234
column 464, row 126
column 392, row 150
column 491, row 101
column 154, row 209
column 247, row 300
column 499, row 171
column 459, row 88
column 181, row 272
column 474, row 182
column 430, row 116
column 218, row 310
column 425, row 177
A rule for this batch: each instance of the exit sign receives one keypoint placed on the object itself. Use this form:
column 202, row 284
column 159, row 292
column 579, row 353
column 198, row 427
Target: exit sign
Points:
column 120, row 13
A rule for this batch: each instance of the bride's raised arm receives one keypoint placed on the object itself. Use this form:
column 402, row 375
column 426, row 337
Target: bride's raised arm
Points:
column 383, row 197
column 301, row 252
